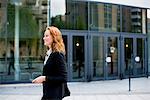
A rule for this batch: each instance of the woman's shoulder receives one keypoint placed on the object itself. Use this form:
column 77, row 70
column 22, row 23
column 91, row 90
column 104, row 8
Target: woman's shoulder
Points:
column 58, row 54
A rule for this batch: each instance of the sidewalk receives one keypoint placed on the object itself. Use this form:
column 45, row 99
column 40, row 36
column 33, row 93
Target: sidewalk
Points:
column 96, row 90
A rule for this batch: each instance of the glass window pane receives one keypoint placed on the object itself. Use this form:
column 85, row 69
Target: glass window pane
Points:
column 30, row 29
column 133, row 20
column 139, row 68
column 78, row 57
column 98, row 56
column 104, row 17
column 69, row 14
column 112, row 52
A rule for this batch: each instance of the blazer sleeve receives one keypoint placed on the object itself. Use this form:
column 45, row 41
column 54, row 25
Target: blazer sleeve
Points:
column 60, row 67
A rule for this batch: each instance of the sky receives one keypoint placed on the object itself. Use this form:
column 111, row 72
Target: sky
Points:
column 148, row 14
column 58, row 6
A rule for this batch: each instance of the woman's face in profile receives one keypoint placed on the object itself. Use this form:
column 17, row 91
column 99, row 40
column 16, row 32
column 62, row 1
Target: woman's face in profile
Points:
column 47, row 38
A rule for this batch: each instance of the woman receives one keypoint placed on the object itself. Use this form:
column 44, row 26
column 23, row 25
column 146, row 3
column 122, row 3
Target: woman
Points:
column 54, row 76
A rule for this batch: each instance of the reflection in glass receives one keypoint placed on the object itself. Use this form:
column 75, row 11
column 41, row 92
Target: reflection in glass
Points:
column 112, row 52
column 148, row 13
column 58, row 11
column 102, row 17
column 78, row 57
column 98, row 56
column 148, row 23
column 58, row 7
column 31, row 24
column 139, row 68
column 134, row 20
column 74, row 17
column 66, row 46
column 128, row 54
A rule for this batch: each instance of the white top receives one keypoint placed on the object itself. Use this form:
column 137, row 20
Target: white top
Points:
column 47, row 55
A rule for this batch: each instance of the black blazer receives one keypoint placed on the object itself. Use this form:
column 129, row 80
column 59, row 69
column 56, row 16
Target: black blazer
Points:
column 55, row 71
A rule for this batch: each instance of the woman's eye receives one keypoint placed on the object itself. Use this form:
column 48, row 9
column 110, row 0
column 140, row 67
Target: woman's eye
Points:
column 46, row 36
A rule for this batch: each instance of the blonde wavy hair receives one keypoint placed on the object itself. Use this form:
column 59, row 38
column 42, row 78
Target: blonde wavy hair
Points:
column 57, row 44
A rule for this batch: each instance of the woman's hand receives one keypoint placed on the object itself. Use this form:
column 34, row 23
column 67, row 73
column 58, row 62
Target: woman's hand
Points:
column 39, row 79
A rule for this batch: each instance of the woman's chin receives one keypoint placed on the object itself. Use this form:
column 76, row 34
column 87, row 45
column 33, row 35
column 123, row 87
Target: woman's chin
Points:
column 45, row 44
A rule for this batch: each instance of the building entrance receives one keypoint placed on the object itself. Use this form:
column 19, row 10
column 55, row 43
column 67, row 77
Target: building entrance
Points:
column 75, row 52
column 134, row 56
column 103, row 56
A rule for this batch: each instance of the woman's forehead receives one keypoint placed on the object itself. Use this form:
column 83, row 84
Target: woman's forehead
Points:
column 47, row 32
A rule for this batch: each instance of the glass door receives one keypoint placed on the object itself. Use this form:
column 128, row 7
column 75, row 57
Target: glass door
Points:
column 65, row 39
column 134, row 56
column 98, row 57
column 128, row 55
column 112, row 54
column 78, row 57
column 105, row 54
column 140, row 66
column 75, row 44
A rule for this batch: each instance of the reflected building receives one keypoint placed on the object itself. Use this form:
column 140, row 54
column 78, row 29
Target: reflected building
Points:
column 33, row 19
column 148, row 25
column 76, row 15
column 3, row 25
column 108, row 17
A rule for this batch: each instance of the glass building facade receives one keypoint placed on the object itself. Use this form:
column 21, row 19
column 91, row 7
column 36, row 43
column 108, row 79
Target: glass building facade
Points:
column 103, row 40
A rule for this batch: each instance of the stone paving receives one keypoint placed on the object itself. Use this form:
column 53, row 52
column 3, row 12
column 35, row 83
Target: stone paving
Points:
column 95, row 90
